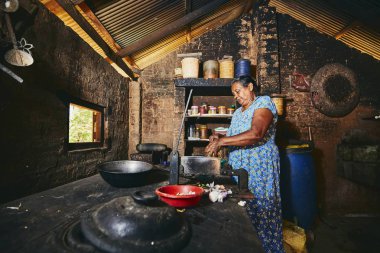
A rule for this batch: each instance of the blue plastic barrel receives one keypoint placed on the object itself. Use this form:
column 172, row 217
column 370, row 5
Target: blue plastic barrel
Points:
column 298, row 187
column 243, row 68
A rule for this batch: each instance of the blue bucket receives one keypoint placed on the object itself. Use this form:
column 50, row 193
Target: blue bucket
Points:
column 242, row 68
column 298, row 187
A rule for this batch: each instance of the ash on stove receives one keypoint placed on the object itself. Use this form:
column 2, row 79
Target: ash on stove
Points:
column 73, row 239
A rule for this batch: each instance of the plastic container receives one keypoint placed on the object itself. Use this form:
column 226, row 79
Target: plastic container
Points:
column 190, row 67
column 279, row 103
column 180, row 196
column 298, row 188
column 230, row 111
column 210, row 69
column 226, row 68
column 242, row 68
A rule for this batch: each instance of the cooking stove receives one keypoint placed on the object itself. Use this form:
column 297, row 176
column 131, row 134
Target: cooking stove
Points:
column 49, row 221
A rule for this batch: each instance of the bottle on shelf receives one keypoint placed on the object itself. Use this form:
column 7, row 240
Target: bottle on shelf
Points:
column 191, row 131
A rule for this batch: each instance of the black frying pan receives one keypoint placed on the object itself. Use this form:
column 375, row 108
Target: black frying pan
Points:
column 125, row 173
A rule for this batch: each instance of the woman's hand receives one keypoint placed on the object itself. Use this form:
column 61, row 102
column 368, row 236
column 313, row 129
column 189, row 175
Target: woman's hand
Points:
column 214, row 137
column 213, row 147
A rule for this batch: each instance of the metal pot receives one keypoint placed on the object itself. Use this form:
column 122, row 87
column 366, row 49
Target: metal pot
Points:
column 200, row 165
column 124, row 173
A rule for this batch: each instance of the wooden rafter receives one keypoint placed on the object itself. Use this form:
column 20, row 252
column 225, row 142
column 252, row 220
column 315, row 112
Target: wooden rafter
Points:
column 85, row 11
column 60, row 7
column 346, row 29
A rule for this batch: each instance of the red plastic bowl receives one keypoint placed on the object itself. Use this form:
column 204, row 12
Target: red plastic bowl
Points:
column 169, row 194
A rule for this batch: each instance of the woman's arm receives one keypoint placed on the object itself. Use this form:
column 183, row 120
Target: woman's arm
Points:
column 260, row 123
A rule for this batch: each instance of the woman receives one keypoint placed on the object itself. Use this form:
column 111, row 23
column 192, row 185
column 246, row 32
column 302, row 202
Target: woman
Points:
column 252, row 147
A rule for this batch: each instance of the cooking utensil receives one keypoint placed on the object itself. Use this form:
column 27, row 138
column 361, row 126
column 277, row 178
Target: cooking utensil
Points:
column 124, row 173
column 16, row 56
column 200, row 165
column 180, row 196
column 125, row 225
column 9, row 5
column 174, row 161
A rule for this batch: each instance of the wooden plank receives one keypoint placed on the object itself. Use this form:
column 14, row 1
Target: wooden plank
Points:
column 200, row 82
column 171, row 28
column 346, row 29
column 78, row 18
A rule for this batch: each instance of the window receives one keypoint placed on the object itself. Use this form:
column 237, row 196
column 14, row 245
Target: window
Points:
column 86, row 125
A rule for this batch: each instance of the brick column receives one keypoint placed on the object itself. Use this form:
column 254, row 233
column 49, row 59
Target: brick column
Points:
column 268, row 74
column 179, row 107
column 134, row 115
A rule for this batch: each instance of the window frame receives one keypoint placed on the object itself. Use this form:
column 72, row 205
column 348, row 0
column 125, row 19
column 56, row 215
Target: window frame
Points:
column 85, row 145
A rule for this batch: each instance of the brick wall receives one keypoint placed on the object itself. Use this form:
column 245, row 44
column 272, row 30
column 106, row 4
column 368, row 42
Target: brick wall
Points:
column 304, row 50
column 267, row 56
column 33, row 127
column 160, row 120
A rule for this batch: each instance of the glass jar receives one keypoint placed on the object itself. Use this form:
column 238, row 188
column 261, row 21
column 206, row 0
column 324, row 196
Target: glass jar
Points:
column 194, row 110
column 197, row 134
column 202, row 110
column 212, row 110
column 191, row 132
column 222, row 109
column 230, row 110
column 203, row 132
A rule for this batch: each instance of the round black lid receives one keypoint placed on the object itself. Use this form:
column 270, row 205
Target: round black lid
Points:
column 126, row 225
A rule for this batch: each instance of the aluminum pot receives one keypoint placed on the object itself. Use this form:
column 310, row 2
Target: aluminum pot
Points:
column 200, row 165
column 124, row 173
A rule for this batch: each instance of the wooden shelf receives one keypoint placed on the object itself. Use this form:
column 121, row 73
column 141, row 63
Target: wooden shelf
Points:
column 200, row 82
column 210, row 116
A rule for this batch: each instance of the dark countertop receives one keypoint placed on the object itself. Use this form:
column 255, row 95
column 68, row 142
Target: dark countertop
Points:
column 37, row 223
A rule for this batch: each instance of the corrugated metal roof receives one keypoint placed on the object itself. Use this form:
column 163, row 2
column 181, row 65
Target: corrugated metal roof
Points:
column 122, row 23
column 339, row 23
column 127, row 21
column 158, row 50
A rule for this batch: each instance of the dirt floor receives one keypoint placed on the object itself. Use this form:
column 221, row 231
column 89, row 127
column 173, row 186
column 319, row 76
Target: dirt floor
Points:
column 346, row 234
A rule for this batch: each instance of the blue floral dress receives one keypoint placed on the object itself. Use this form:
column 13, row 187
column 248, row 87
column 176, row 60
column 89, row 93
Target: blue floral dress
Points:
column 262, row 162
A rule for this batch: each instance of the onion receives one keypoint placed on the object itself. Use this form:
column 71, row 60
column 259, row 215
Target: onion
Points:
column 213, row 196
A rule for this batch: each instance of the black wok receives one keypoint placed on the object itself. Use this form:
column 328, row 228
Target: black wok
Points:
column 125, row 173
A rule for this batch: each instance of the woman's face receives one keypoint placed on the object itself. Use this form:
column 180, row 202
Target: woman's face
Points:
column 243, row 95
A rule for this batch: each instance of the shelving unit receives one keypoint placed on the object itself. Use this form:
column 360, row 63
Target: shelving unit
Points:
column 210, row 116
column 215, row 92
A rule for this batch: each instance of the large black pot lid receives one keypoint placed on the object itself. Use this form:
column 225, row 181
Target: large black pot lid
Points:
column 124, row 225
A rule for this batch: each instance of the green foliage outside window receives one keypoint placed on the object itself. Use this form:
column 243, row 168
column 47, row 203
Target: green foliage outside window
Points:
column 81, row 125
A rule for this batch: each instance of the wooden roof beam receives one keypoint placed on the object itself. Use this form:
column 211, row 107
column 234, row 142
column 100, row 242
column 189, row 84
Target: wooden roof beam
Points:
column 171, row 28
column 68, row 6
column 107, row 37
column 346, row 29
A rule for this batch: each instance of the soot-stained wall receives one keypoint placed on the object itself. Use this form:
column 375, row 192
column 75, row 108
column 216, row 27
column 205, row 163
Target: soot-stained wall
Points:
column 300, row 49
column 33, row 129
column 162, row 107
column 305, row 51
